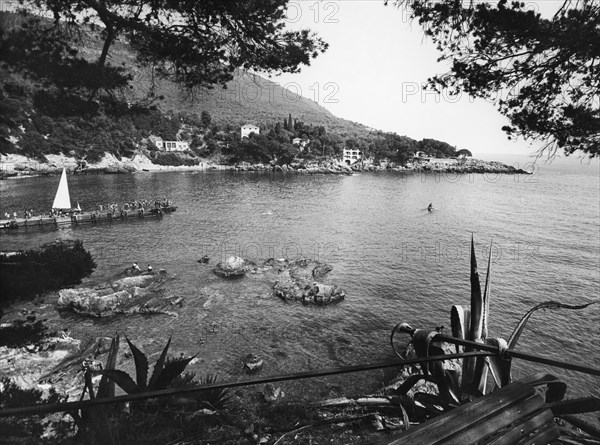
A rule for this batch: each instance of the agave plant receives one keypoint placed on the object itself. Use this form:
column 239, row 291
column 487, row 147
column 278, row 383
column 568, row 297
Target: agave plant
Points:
column 164, row 372
column 215, row 400
column 471, row 323
column 93, row 422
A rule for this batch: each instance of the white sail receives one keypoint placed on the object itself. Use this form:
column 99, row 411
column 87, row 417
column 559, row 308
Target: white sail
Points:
column 62, row 201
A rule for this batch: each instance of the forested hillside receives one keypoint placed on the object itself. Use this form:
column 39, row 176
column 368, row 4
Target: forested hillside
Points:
column 50, row 105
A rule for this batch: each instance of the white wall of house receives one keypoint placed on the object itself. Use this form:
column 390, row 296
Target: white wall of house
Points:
column 171, row 145
column 247, row 129
column 351, row 156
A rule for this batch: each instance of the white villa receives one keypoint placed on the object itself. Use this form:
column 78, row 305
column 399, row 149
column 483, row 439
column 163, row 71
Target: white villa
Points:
column 171, row 145
column 301, row 143
column 351, row 156
column 248, row 129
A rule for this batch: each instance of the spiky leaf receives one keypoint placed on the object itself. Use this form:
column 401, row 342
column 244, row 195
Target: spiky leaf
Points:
column 460, row 318
column 485, row 314
column 141, row 365
column 421, row 342
column 404, row 328
column 480, row 374
column 512, row 341
column 425, row 346
column 106, row 387
column 158, row 367
column 122, row 379
column 476, row 298
column 405, row 419
column 475, row 323
column 216, row 399
column 499, row 366
column 171, row 370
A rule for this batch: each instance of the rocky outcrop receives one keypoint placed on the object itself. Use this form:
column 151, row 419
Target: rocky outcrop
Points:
column 334, row 167
column 472, row 166
column 297, row 283
column 232, row 267
column 315, row 293
column 296, row 280
column 129, row 295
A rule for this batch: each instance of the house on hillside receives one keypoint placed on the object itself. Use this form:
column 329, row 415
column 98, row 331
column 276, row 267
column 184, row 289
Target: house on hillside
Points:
column 420, row 157
column 300, row 143
column 171, row 145
column 249, row 129
column 351, row 155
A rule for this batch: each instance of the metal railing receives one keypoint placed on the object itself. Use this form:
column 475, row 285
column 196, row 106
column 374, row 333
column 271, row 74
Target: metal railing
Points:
column 483, row 350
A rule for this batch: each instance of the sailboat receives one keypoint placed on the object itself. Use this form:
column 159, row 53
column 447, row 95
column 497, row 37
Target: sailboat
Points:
column 62, row 200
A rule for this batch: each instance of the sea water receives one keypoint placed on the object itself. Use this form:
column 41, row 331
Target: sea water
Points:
column 396, row 261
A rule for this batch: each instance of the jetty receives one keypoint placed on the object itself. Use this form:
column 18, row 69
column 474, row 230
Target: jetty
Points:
column 75, row 219
column 64, row 215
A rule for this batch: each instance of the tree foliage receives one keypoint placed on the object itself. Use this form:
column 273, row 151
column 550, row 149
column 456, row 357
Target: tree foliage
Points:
column 45, row 53
column 195, row 43
column 542, row 73
column 464, row 153
column 53, row 266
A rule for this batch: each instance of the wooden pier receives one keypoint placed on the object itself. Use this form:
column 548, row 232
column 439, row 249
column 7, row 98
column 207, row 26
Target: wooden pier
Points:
column 20, row 224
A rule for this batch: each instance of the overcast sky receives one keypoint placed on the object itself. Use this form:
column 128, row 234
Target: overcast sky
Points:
column 373, row 73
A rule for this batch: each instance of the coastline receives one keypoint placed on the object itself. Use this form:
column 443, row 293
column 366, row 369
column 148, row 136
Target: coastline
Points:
column 18, row 166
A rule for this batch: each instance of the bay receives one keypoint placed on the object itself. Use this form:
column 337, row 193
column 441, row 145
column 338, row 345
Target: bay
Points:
column 395, row 260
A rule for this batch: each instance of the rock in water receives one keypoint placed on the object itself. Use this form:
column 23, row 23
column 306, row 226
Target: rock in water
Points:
column 296, row 282
column 321, row 270
column 129, row 282
column 252, row 363
column 128, row 295
column 232, row 267
column 323, row 294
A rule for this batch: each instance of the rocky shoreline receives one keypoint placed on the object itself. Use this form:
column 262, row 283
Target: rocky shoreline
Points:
column 15, row 166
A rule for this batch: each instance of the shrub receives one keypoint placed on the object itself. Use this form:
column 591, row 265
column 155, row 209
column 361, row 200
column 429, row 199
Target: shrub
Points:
column 53, row 266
